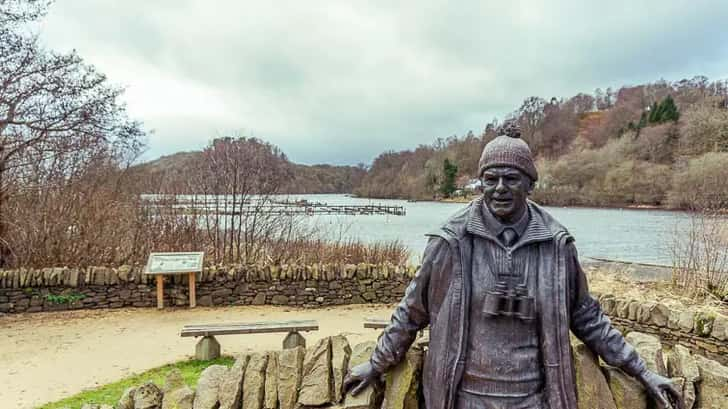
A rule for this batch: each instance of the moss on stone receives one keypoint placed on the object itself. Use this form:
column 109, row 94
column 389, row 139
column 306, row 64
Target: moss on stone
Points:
column 704, row 323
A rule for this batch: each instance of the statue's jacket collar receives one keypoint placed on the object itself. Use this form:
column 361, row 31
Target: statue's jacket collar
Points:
column 449, row 315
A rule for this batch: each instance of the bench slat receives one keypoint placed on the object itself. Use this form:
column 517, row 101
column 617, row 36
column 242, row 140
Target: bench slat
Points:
column 247, row 328
column 375, row 323
column 255, row 324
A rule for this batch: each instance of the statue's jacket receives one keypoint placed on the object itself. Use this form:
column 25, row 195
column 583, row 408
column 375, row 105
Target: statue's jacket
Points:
column 439, row 296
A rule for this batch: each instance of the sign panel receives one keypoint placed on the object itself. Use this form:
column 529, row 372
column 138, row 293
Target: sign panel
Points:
column 174, row 263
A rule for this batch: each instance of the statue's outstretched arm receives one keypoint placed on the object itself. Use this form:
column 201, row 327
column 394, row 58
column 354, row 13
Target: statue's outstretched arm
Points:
column 593, row 327
column 411, row 315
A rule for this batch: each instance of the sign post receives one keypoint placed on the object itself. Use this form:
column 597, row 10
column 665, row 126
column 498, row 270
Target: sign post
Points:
column 161, row 264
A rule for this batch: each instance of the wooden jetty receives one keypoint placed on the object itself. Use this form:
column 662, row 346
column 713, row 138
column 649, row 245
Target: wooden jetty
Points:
column 225, row 206
column 320, row 209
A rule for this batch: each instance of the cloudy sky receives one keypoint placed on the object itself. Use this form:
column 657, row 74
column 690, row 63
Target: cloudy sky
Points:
column 342, row 81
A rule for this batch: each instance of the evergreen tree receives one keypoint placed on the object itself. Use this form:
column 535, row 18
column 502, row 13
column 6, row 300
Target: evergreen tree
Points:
column 449, row 172
column 653, row 118
column 668, row 110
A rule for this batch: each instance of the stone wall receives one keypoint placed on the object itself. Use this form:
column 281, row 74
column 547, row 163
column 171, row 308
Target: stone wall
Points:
column 700, row 329
column 297, row 378
column 53, row 289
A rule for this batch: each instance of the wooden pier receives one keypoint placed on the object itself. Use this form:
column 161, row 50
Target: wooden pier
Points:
column 282, row 207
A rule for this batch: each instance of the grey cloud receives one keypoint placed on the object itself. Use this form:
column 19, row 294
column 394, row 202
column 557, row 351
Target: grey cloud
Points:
column 341, row 82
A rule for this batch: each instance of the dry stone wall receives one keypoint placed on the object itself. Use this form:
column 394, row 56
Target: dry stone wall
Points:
column 300, row 379
column 52, row 289
column 702, row 330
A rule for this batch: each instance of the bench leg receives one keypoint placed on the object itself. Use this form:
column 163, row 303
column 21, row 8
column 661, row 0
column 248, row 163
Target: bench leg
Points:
column 207, row 348
column 294, row 339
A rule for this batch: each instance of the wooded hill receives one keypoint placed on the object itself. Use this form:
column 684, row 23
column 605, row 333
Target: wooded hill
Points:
column 173, row 173
column 662, row 144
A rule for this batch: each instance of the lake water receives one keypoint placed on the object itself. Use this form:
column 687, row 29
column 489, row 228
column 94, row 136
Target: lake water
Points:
column 619, row 234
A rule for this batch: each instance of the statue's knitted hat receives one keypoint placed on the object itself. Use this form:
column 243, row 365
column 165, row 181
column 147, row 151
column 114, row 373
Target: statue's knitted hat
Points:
column 508, row 149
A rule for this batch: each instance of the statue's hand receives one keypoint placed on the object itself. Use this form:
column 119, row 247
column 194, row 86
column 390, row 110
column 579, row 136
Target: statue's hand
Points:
column 662, row 390
column 359, row 377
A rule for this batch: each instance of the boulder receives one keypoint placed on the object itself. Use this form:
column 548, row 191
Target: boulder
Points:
column 720, row 327
column 713, row 386
column 680, row 364
column 403, row 381
column 316, row 382
column 627, row 392
column 231, row 387
column 650, row 349
column 680, row 319
column 290, row 368
column 180, row 398
column 254, row 382
column 270, row 399
column 206, row 395
column 340, row 354
column 371, row 397
column 592, row 390
column 148, row 396
column 127, row 399
column 659, row 314
column 644, row 312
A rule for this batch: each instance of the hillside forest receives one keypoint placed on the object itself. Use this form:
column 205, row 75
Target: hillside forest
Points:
column 658, row 144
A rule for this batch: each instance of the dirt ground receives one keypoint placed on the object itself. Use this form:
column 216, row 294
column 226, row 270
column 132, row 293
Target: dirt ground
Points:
column 48, row 356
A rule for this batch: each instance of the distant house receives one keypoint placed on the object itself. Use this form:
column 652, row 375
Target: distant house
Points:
column 473, row 185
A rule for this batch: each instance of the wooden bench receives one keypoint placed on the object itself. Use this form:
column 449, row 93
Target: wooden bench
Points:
column 209, row 348
column 373, row 323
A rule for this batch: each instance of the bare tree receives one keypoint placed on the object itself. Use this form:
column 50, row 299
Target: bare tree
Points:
column 54, row 109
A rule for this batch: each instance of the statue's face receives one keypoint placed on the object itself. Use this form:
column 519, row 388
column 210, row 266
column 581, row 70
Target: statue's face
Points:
column 505, row 190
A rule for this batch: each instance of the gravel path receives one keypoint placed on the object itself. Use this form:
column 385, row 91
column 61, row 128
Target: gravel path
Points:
column 48, row 356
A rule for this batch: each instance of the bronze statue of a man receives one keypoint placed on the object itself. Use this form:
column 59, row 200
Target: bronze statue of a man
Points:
column 500, row 287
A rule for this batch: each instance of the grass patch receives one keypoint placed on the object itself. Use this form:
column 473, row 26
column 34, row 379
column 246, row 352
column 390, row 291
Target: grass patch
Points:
column 110, row 393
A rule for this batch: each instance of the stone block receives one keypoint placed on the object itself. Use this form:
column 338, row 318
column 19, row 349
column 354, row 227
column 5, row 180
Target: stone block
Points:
column 713, row 386
column 259, row 298
column 659, row 315
column 231, row 386
column 207, row 348
column 279, row 300
column 181, row 398
column 290, row 369
column 627, row 392
column 148, row 396
column 403, row 381
column 208, row 386
column 254, row 382
column 127, row 399
column 720, row 327
column 650, row 349
column 316, row 382
column 681, row 364
column 371, row 397
column 270, row 400
column 340, row 354
column 591, row 386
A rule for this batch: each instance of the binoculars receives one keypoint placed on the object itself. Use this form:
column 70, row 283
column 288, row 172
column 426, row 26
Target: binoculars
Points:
column 508, row 302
